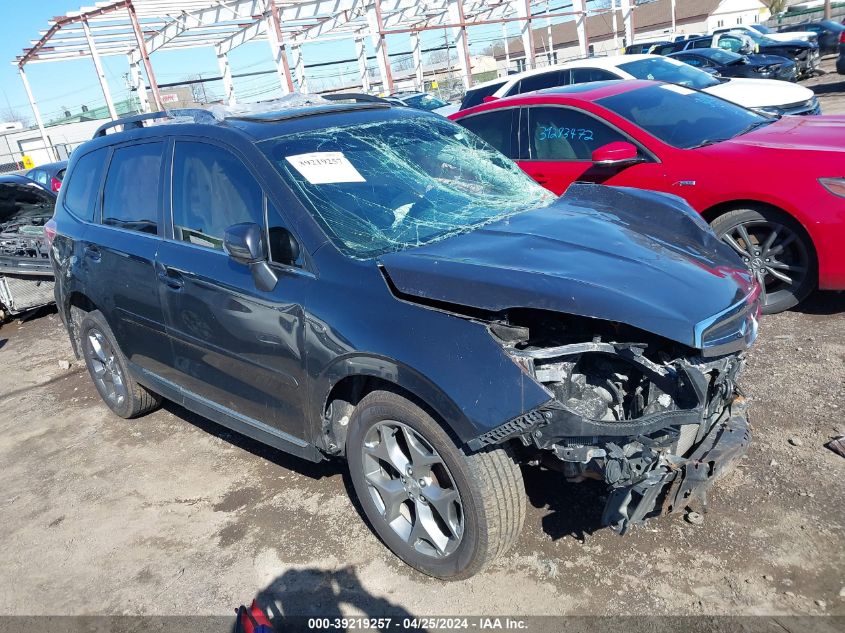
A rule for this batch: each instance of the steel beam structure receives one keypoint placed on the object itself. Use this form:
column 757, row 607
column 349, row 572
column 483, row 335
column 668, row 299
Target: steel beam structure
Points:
column 363, row 70
column 98, row 66
column 277, row 45
column 145, row 57
column 578, row 6
column 37, row 114
column 628, row 20
column 376, row 23
column 523, row 12
column 416, row 53
column 459, row 35
column 137, row 84
column 226, row 77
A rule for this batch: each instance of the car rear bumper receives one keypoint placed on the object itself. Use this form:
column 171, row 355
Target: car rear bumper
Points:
column 678, row 482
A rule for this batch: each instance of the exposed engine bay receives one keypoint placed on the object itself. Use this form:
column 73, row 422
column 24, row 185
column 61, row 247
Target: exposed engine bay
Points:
column 26, row 275
column 651, row 418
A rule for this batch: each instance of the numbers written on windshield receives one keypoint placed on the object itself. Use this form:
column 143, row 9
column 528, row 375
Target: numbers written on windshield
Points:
column 553, row 132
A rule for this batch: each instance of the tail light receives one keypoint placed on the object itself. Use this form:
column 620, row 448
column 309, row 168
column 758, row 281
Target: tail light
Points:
column 842, row 37
column 50, row 231
column 55, row 184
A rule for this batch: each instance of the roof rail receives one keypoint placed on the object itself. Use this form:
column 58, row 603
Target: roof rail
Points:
column 198, row 115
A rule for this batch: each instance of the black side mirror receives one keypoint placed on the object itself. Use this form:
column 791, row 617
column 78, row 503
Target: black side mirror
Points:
column 245, row 244
column 284, row 249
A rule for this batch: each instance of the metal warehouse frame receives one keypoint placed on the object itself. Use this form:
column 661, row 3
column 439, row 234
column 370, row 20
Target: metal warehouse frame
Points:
column 137, row 28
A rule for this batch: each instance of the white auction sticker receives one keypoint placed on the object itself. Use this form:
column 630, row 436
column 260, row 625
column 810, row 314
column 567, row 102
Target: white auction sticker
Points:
column 325, row 168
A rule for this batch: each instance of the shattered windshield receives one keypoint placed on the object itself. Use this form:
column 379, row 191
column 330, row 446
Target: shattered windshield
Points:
column 390, row 185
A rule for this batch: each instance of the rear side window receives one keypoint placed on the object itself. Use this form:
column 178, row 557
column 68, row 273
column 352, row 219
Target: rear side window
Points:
column 587, row 75
column 474, row 97
column 212, row 190
column 541, row 82
column 133, row 188
column 498, row 128
column 83, row 185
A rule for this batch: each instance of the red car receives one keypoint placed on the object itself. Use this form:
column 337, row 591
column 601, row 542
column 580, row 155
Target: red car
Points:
column 772, row 188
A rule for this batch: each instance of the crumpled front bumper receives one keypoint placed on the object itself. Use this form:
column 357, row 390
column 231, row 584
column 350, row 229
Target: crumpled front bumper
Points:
column 676, row 482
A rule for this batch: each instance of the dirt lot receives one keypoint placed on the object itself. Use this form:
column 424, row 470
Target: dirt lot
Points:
column 172, row 514
column 830, row 88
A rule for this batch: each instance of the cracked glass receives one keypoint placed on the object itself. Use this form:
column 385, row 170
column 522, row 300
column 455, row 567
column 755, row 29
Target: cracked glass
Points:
column 393, row 184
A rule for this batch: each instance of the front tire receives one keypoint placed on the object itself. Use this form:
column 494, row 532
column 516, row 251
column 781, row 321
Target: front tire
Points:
column 776, row 250
column 108, row 368
column 444, row 512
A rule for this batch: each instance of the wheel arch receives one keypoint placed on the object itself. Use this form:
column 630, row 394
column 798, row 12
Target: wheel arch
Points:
column 348, row 380
column 720, row 209
column 76, row 306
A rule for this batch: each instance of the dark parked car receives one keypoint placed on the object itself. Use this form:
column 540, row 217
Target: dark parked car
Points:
column 840, row 61
column 829, row 33
column 26, row 275
column 804, row 54
column 728, row 64
column 399, row 293
column 644, row 47
column 49, row 175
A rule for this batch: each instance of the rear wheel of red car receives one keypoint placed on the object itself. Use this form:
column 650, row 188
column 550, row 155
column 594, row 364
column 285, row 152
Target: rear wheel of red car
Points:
column 777, row 251
column 445, row 512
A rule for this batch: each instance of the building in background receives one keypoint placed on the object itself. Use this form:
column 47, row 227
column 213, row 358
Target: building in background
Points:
column 652, row 21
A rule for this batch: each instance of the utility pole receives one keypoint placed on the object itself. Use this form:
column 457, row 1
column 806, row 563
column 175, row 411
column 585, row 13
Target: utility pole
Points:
column 827, row 13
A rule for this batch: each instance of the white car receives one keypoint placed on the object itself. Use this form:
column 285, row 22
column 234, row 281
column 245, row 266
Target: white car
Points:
column 769, row 95
column 762, row 29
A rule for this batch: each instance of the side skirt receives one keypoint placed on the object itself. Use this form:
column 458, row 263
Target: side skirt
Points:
column 224, row 416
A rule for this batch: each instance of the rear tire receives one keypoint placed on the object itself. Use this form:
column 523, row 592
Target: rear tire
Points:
column 108, row 368
column 444, row 512
column 776, row 250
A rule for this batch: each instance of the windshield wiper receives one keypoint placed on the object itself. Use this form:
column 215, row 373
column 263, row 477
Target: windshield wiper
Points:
column 758, row 124
column 746, row 130
column 710, row 141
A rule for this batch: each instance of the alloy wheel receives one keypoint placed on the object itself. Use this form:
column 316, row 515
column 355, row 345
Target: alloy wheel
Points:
column 774, row 254
column 105, row 368
column 412, row 488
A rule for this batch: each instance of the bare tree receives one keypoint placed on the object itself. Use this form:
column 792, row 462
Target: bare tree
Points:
column 11, row 115
column 776, row 6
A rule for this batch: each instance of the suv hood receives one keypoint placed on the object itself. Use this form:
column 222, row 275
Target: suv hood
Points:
column 808, row 133
column 759, row 93
column 636, row 257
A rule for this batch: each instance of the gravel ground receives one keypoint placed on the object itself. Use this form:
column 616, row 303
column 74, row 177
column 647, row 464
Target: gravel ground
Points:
column 172, row 514
column 830, row 88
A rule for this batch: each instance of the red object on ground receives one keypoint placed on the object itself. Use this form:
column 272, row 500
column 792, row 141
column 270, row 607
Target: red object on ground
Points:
column 253, row 620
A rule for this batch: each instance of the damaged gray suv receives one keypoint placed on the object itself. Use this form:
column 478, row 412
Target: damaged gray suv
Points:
column 377, row 284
